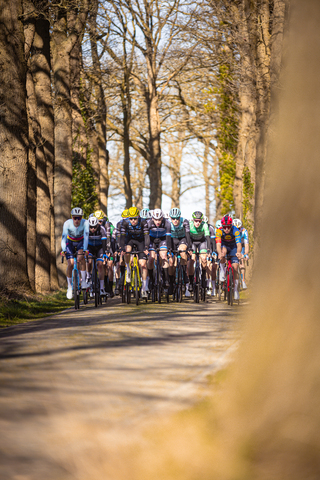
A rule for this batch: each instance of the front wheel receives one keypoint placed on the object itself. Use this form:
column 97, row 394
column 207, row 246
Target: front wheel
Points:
column 75, row 286
column 136, row 286
column 230, row 287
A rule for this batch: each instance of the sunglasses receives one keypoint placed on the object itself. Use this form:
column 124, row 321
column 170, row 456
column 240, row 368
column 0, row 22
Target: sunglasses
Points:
column 226, row 226
column 92, row 228
column 133, row 218
column 197, row 221
column 76, row 218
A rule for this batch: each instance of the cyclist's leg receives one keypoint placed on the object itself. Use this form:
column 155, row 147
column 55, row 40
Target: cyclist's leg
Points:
column 223, row 267
column 150, row 264
column 235, row 265
column 164, row 262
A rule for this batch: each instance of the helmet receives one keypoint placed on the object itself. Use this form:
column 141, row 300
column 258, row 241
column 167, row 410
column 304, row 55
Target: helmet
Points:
column 93, row 221
column 175, row 213
column 133, row 212
column 157, row 214
column 218, row 224
column 91, row 215
column 237, row 223
column 197, row 215
column 76, row 211
column 125, row 213
column 166, row 215
column 105, row 218
column 99, row 214
column 205, row 219
column 145, row 213
column 226, row 220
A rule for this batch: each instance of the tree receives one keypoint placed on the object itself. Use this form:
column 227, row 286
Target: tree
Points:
column 14, row 146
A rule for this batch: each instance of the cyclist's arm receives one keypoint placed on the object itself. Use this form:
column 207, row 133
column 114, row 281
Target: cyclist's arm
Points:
column 123, row 231
column 85, row 235
column 146, row 234
column 168, row 235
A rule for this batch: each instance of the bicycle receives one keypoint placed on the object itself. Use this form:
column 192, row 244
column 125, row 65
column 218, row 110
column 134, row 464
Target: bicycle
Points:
column 229, row 282
column 96, row 283
column 199, row 286
column 156, row 291
column 179, row 278
column 76, row 284
column 135, row 276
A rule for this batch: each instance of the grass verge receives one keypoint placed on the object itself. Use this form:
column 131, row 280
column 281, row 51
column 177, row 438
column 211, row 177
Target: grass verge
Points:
column 31, row 307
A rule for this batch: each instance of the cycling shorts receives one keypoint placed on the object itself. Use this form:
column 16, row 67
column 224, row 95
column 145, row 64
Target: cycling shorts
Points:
column 160, row 242
column 201, row 246
column 139, row 246
column 179, row 241
column 231, row 250
column 97, row 251
column 72, row 247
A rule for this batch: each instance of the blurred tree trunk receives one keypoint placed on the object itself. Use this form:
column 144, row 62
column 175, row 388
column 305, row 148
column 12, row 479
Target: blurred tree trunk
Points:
column 101, row 109
column 13, row 146
column 206, row 178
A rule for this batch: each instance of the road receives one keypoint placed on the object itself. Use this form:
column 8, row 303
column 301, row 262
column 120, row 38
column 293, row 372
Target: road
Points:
column 102, row 375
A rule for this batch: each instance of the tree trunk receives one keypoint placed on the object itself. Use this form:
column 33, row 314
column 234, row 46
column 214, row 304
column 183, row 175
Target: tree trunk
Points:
column 206, row 178
column 101, row 110
column 63, row 131
column 246, row 151
column 154, row 147
column 43, row 125
column 79, row 135
column 13, row 146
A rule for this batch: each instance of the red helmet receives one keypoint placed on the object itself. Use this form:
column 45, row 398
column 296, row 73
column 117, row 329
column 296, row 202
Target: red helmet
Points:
column 226, row 221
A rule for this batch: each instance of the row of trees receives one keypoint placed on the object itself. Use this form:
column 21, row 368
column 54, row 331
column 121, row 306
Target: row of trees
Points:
column 155, row 79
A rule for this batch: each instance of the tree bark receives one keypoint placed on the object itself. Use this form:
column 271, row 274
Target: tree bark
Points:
column 60, row 47
column 101, row 110
column 13, row 146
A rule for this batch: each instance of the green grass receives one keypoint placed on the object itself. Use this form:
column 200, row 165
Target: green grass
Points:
column 31, row 307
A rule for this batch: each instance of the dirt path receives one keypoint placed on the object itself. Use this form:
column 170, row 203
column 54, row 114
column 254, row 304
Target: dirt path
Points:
column 109, row 371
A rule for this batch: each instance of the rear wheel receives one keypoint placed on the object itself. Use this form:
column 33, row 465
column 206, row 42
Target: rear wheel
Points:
column 196, row 293
column 128, row 290
column 85, row 297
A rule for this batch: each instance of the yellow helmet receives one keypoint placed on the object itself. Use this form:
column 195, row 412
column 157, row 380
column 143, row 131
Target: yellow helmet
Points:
column 133, row 212
column 99, row 214
column 125, row 214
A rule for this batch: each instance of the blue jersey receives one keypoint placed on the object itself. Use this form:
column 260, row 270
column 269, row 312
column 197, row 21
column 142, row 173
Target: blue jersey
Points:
column 231, row 238
column 163, row 230
column 71, row 233
column 244, row 236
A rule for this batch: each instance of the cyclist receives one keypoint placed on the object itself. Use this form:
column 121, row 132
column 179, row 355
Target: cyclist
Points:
column 75, row 236
column 103, row 220
column 119, row 263
column 145, row 213
column 98, row 241
column 135, row 233
column 200, row 237
column 212, row 273
column 180, row 234
column 229, row 242
column 245, row 248
column 159, row 228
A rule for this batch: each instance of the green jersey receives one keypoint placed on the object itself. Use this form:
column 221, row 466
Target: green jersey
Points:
column 197, row 233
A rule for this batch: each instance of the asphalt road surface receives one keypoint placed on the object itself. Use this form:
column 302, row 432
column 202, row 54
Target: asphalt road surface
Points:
column 102, row 375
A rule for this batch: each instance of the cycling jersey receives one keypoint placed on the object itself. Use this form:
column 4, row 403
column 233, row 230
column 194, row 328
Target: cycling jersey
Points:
column 99, row 238
column 163, row 231
column 182, row 230
column 231, row 238
column 244, row 235
column 71, row 233
column 212, row 237
column 197, row 233
column 139, row 232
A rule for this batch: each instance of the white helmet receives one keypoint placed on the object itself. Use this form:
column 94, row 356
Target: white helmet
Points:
column 218, row 224
column 157, row 214
column 93, row 221
column 76, row 211
column 237, row 223
column 205, row 219
column 145, row 213
column 166, row 215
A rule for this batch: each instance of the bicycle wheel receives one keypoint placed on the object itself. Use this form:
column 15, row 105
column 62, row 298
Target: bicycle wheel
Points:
column 203, row 286
column 136, row 286
column 75, row 288
column 230, row 287
column 128, row 289
column 85, row 296
column 196, row 293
